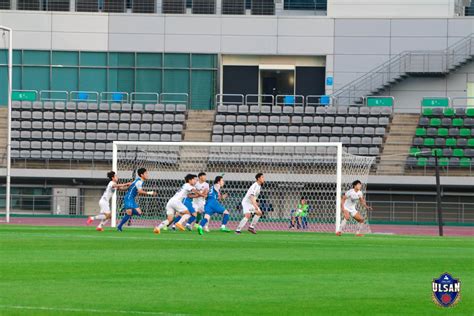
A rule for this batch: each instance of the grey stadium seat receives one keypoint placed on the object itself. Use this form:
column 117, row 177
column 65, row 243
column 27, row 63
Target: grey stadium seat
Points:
column 380, row 131
column 356, row 140
column 285, row 119
column 261, row 129
column 243, row 109
column 216, row 138
column 309, row 110
column 263, row 119
column 276, row 110
column 353, row 111
column 374, row 151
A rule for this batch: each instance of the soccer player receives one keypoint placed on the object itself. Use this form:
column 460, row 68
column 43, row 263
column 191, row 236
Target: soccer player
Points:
column 298, row 214
column 175, row 205
column 349, row 202
column 250, row 206
column 136, row 188
column 104, row 202
column 199, row 202
column 214, row 206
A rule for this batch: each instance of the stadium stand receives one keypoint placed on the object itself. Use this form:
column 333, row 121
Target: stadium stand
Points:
column 85, row 131
column 360, row 129
column 447, row 133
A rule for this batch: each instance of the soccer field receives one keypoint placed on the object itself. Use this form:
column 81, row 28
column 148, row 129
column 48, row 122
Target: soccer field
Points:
column 78, row 271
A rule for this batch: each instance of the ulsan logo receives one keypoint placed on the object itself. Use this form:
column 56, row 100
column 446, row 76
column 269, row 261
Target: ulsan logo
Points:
column 446, row 290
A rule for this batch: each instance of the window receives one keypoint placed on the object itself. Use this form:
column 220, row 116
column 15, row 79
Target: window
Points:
column 192, row 74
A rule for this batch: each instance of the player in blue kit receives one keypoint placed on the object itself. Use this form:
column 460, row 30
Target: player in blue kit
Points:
column 130, row 205
column 214, row 206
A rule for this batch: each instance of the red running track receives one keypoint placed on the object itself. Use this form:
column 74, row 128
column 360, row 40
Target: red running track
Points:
column 423, row 230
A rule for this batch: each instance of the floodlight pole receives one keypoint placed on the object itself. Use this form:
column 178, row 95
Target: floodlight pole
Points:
column 438, row 196
column 9, row 133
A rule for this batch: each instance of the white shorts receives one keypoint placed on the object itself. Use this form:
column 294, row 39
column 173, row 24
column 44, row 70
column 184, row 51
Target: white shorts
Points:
column 199, row 206
column 104, row 206
column 353, row 212
column 175, row 206
column 247, row 208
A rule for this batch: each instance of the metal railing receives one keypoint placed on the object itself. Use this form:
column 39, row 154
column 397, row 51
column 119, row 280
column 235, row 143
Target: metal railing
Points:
column 384, row 211
column 53, row 95
column 404, row 64
column 233, row 7
column 144, row 97
column 291, row 100
column 84, row 96
column 259, row 99
column 229, row 98
column 119, row 97
column 421, row 212
column 174, row 97
column 48, row 204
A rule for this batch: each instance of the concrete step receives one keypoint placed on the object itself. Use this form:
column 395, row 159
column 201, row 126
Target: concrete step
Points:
column 199, row 125
column 397, row 144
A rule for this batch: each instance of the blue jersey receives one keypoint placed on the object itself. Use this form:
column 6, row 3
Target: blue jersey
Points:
column 132, row 191
column 213, row 205
column 214, row 193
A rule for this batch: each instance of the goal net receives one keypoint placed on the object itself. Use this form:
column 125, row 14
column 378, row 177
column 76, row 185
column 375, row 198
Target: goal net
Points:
column 318, row 172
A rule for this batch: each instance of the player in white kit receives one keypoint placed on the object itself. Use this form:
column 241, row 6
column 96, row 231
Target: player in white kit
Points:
column 176, row 206
column 250, row 206
column 104, row 202
column 199, row 202
column 349, row 204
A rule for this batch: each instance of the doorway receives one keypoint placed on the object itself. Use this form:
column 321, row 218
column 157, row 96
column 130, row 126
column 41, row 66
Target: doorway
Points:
column 276, row 82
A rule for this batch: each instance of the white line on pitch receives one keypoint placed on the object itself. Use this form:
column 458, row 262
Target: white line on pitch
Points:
column 83, row 310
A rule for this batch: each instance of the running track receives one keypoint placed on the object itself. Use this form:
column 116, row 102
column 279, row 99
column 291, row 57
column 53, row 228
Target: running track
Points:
column 423, row 230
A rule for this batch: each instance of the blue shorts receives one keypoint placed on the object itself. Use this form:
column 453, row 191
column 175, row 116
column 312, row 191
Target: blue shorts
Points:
column 189, row 205
column 213, row 207
column 129, row 204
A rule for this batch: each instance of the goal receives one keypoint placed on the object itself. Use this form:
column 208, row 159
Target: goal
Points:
column 319, row 172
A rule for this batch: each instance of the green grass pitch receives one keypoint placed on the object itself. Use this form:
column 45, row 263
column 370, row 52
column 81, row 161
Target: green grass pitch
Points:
column 78, row 271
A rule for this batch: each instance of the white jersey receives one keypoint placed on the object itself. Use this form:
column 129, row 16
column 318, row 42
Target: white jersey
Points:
column 183, row 193
column 352, row 197
column 253, row 190
column 201, row 187
column 109, row 191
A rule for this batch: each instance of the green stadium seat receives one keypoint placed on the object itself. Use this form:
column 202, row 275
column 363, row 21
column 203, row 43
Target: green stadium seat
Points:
column 465, row 132
column 414, row 151
column 458, row 122
column 470, row 142
column 443, row 132
column 451, row 142
column 443, row 162
column 435, row 151
column 422, row 162
column 470, row 112
column 427, row 112
column 429, row 142
column 458, row 152
column 448, row 112
column 435, row 122
column 420, row 131
column 465, row 162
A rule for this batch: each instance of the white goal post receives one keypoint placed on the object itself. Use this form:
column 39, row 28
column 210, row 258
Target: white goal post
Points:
column 319, row 172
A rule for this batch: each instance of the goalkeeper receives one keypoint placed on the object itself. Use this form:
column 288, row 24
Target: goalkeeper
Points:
column 298, row 216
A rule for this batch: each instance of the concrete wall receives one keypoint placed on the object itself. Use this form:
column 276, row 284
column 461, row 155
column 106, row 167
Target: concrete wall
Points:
column 352, row 46
column 409, row 93
column 91, row 201
column 390, row 8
